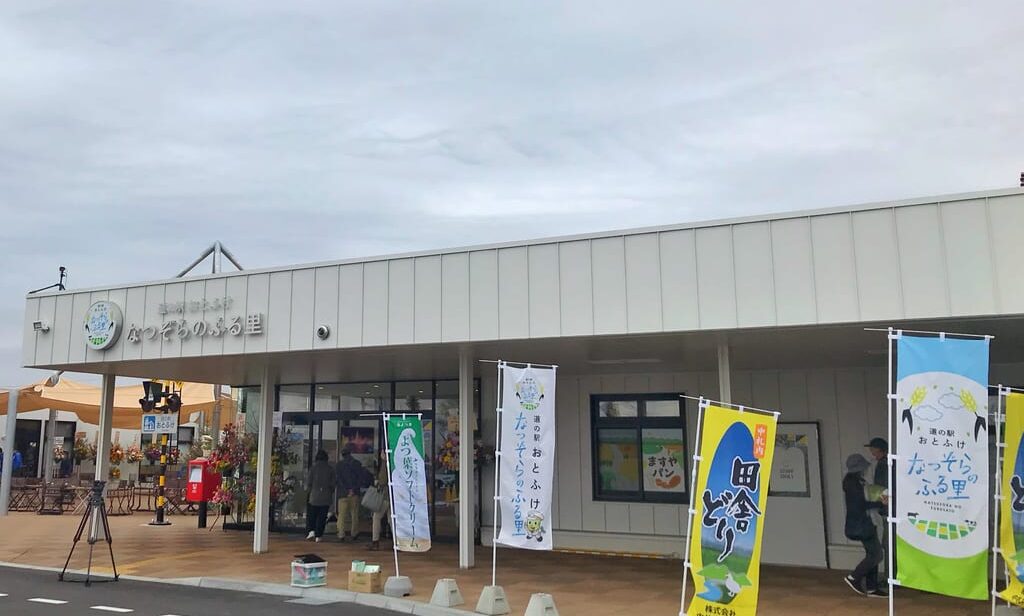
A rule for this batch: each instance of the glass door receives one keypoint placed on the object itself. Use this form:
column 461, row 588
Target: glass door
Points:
column 296, row 430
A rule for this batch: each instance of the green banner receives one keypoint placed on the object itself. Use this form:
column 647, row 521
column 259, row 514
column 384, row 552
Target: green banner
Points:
column 408, row 483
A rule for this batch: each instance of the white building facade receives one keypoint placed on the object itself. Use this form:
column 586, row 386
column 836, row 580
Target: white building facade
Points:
column 768, row 311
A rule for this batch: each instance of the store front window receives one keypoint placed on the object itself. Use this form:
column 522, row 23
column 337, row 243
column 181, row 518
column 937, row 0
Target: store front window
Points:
column 639, row 444
column 331, row 416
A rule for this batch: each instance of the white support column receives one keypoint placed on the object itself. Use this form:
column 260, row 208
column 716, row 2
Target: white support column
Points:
column 12, row 425
column 261, row 536
column 724, row 380
column 467, row 471
column 49, row 442
column 106, row 427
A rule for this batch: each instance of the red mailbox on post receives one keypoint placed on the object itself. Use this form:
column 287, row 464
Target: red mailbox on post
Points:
column 202, row 481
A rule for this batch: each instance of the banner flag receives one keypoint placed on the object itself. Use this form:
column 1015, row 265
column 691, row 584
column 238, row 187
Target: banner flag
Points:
column 942, row 469
column 736, row 450
column 1011, row 515
column 408, row 483
column 527, row 456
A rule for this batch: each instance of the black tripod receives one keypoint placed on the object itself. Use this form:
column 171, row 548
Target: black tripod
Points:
column 94, row 516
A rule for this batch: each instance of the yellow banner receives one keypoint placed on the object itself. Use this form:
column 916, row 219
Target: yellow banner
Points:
column 736, row 450
column 1011, row 508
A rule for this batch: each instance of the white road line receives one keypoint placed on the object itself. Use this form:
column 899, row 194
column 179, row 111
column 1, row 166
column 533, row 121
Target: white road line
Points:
column 47, row 601
column 107, row 608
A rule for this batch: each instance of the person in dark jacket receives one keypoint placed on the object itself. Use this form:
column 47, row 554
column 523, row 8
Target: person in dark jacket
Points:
column 320, row 488
column 352, row 480
column 859, row 527
column 879, row 449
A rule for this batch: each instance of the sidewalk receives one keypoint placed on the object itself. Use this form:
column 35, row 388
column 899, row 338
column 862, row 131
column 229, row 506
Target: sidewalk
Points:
column 581, row 584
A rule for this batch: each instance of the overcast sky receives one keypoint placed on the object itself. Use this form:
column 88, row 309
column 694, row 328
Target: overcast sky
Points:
column 134, row 134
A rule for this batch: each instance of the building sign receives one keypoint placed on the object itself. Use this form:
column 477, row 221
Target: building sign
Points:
column 186, row 327
column 102, row 325
column 159, row 423
column 527, row 456
column 942, row 466
column 663, row 460
column 733, row 476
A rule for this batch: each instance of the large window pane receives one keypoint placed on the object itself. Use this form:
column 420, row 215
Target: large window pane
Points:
column 663, row 459
column 293, row 398
column 617, row 408
column 247, row 401
column 618, row 460
column 661, row 408
column 413, row 396
column 364, row 397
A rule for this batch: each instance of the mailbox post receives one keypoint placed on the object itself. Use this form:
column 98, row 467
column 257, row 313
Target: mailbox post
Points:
column 202, row 485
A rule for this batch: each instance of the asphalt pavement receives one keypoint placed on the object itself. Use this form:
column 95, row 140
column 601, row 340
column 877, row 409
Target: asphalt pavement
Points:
column 26, row 592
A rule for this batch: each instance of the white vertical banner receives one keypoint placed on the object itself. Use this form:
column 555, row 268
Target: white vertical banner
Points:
column 527, row 459
column 406, row 467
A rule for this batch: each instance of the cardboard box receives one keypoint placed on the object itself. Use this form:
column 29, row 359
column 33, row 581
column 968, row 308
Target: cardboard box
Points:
column 365, row 582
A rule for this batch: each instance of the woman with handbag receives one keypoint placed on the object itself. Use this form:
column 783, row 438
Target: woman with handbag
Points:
column 384, row 510
column 859, row 527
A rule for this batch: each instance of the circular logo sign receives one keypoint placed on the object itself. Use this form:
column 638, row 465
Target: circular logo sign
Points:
column 102, row 325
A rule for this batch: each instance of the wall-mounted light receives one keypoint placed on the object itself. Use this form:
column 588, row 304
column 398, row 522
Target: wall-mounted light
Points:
column 40, row 326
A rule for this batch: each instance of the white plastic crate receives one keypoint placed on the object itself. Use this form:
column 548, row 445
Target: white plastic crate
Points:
column 309, row 575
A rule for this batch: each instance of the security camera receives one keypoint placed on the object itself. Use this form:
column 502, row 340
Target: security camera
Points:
column 323, row 332
column 40, row 326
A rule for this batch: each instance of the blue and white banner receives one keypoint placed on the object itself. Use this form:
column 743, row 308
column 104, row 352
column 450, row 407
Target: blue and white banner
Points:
column 942, row 466
column 527, row 460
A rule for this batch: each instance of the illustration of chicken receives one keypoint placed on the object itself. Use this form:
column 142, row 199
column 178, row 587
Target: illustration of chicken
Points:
column 916, row 398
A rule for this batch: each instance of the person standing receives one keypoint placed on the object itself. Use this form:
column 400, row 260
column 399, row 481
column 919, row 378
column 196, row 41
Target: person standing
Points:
column 382, row 483
column 350, row 474
column 859, row 527
column 879, row 449
column 320, row 488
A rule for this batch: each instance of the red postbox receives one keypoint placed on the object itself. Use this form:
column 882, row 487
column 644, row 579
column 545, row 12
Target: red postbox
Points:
column 202, row 481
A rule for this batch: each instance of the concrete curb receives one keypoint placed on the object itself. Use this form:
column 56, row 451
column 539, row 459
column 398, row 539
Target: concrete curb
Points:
column 404, row 606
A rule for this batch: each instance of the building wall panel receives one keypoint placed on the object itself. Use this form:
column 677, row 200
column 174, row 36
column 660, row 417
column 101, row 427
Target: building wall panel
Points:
column 401, row 311
column 514, row 291
column 455, row 297
column 716, row 278
column 755, row 283
column 428, row 299
column 545, row 299
column 643, row 283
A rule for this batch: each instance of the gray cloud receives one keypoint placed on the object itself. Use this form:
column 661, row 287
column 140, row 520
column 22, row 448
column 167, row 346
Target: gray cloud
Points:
column 134, row 134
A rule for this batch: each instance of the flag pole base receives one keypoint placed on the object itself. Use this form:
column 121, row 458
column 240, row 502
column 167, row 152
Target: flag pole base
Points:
column 446, row 594
column 493, row 602
column 541, row 604
column 398, row 586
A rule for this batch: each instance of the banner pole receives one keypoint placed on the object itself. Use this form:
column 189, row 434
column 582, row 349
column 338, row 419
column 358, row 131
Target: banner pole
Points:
column 998, row 498
column 391, row 494
column 497, row 467
column 893, row 335
column 702, row 404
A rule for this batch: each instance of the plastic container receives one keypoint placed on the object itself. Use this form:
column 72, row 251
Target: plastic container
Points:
column 309, row 570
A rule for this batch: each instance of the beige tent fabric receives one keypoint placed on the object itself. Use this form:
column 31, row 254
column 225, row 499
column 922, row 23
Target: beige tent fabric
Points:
column 84, row 400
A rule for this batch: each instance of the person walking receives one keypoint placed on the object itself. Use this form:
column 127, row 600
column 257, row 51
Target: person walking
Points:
column 320, row 488
column 859, row 527
column 381, row 483
column 351, row 481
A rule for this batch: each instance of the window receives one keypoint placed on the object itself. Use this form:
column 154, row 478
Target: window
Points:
column 639, row 445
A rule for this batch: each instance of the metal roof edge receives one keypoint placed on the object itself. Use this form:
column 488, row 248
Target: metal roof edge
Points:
column 787, row 215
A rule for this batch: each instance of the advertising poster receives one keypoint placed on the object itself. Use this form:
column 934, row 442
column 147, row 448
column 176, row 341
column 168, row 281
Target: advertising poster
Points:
column 736, row 452
column 790, row 469
column 942, row 471
column 408, row 483
column 1011, row 516
column 527, row 457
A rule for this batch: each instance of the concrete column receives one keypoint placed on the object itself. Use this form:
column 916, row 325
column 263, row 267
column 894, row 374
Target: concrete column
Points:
column 106, row 427
column 467, row 495
column 724, row 380
column 215, row 427
column 261, row 536
column 12, row 425
column 49, row 442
